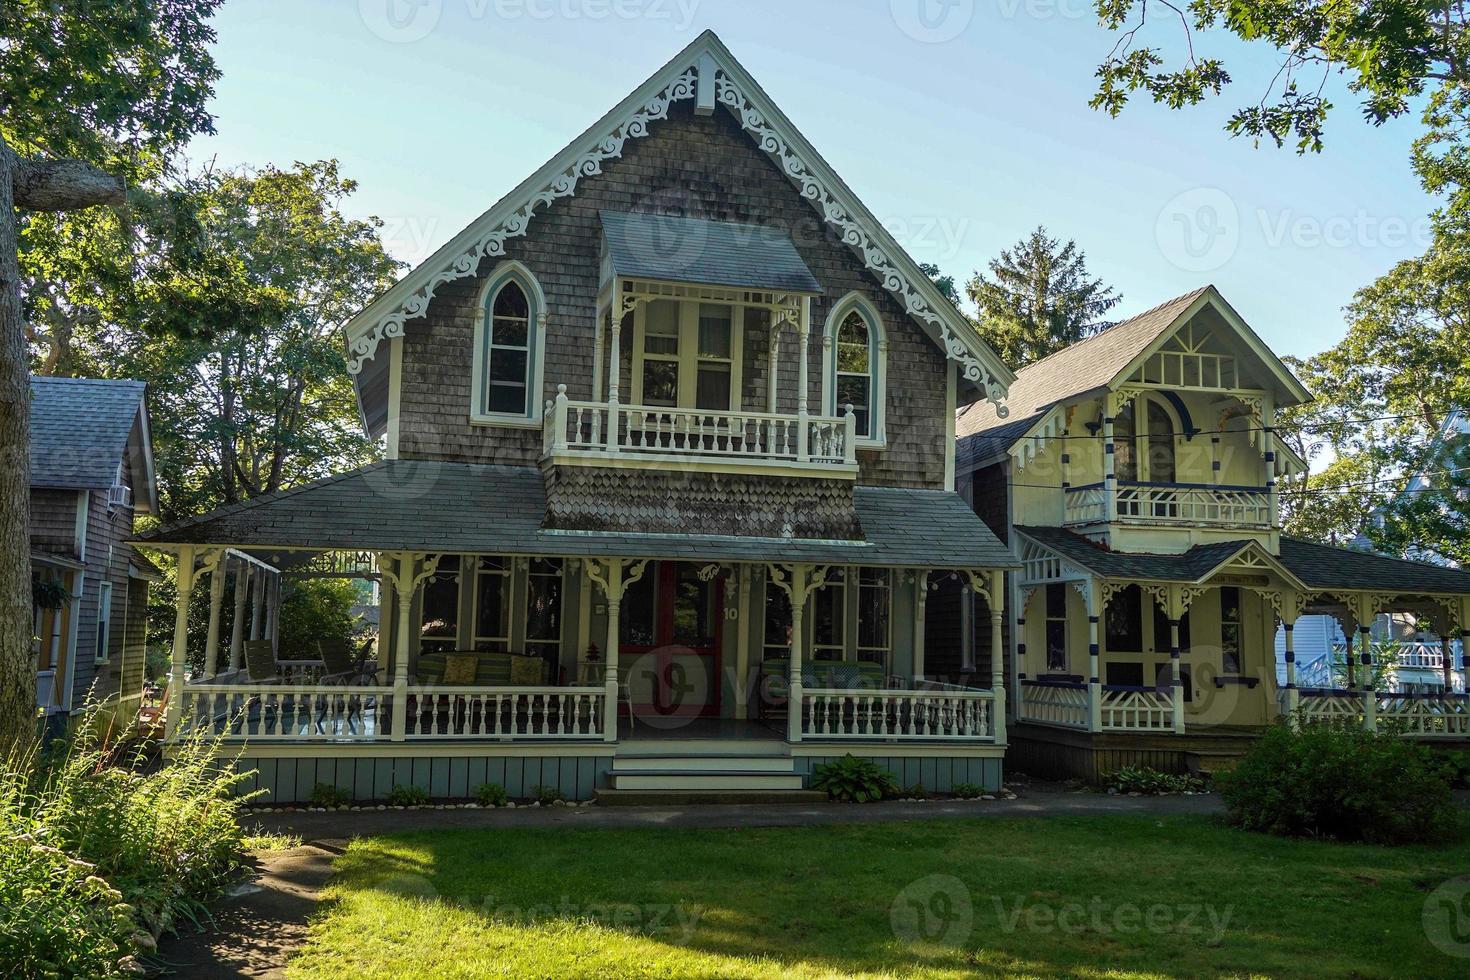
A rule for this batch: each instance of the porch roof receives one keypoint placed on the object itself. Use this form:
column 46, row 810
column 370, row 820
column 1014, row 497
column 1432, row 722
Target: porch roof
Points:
column 710, row 253
column 402, row 505
column 1316, row 566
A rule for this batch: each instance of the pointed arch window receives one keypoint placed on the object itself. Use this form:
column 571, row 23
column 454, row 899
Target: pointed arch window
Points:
column 509, row 342
column 855, row 355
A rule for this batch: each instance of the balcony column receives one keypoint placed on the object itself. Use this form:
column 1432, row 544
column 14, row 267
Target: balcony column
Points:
column 803, row 370
column 237, row 624
column 1109, row 463
column 615, row 365
column 184, row 582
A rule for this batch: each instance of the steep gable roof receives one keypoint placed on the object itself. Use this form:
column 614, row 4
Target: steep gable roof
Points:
column 82, row 427
column 709, row 74
column 1094, row 365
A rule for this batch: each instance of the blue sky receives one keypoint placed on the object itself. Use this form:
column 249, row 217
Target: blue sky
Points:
column 961, row 131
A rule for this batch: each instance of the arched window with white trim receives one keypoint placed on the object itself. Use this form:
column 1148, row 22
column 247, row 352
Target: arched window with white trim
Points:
column 854, row 365
column 509, row 343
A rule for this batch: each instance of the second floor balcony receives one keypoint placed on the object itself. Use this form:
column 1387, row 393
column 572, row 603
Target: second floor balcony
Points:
column 1171, row 504
column 582, row 433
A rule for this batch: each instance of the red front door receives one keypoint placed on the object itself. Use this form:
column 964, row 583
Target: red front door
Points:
column 670, row 650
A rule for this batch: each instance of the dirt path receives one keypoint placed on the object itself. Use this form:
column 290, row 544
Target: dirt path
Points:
column 260, row 923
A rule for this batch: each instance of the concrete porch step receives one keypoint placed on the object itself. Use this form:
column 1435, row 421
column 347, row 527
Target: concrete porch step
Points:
column 695, row 779
column 706, row 797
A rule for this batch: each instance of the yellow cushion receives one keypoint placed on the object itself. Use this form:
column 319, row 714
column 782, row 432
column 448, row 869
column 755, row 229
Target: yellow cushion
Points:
column 527, row 671
column 460, row 669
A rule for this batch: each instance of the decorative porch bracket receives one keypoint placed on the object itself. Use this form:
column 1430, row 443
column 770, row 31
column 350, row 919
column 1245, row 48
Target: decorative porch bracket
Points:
column 397, row 569
column 798, row 581
column 614, row 576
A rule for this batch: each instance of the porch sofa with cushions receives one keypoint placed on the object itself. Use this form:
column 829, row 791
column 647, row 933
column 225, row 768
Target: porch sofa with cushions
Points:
column 490, row 669
column 775, row 679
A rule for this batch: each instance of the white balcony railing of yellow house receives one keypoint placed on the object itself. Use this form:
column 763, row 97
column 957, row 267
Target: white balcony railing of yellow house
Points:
column 1170, row 504
column 607, row 433
column 1429, row 715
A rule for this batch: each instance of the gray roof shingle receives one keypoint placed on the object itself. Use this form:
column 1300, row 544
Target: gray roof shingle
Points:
column 712, row 253
column 79, row 430
column 1190, row 566
column 480, row 509
column 1086, row 366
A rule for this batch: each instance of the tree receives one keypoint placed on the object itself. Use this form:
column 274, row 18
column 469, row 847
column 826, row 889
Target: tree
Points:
column 231, row 315
column 1039, row 299
column 84, row 87
column 1392, row 52
column 945, row 284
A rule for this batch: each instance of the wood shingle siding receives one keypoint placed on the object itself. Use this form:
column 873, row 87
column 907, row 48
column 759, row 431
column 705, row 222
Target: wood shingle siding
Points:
column 702, row 167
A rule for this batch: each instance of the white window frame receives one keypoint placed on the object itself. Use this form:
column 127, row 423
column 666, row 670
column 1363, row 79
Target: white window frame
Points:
column 851, row 649
column 505, row 272
column 688, row 358
column 508, row 584
column 854, row 302
column 1141, row 433
column 104, row 623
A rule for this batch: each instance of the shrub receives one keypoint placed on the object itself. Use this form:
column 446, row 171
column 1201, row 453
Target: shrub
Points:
column 328, row 795
column 854, row 780
column 967, row 791
column 1151, row 782
column 1339, row 781
column 407, row 796
column 491, row 794
column 547, row 795
column 97, row 856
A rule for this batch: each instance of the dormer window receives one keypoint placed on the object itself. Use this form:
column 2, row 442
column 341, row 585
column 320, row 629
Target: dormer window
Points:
column 509, row 338
column 855, row 356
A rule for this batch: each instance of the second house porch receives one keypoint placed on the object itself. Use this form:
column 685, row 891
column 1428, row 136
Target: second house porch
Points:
column 1170, row 660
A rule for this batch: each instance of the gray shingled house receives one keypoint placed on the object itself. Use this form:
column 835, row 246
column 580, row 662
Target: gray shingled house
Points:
column 1135, row 481
column 668, row 481
column 91, row 473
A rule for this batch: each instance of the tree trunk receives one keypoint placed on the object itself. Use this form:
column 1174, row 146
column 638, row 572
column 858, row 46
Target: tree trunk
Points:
column 17, row 672
column 41, row 185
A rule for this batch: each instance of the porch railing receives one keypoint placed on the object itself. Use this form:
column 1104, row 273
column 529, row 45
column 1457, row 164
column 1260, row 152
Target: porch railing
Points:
column 1429, row 715
column 951, row 715
column 1169, row 503
column 1136, row 709
column 575, row 428
column 331, row 713
column 299, row 712
column 1053, row 703
column 507, row 713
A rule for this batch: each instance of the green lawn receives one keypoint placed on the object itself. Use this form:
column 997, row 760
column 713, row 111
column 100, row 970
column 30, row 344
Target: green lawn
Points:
column 1106, row 896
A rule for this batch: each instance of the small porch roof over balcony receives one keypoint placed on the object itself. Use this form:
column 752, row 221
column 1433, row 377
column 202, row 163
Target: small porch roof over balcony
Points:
column 707, row 253
column 471, row 509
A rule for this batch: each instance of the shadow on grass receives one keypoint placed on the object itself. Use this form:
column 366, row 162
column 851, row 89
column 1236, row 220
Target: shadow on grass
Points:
column 1121, row 896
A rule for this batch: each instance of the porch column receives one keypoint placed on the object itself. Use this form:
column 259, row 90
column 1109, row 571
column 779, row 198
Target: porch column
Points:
column 794, row 696
column 921, row 604
column 237, row 624
column 1291, row 605
column 273, row 616
column 257, row 614
column 400, row 572
column 997, row 655
column 1109, row 467
column 1370, row 695
column 1348, row 657
column 1094, row 671
column 216, row 600
column 613, row 586
column 1446, row 661
column 185, row 582
column 743, row 627
column 803, row 347
column 615, row 357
